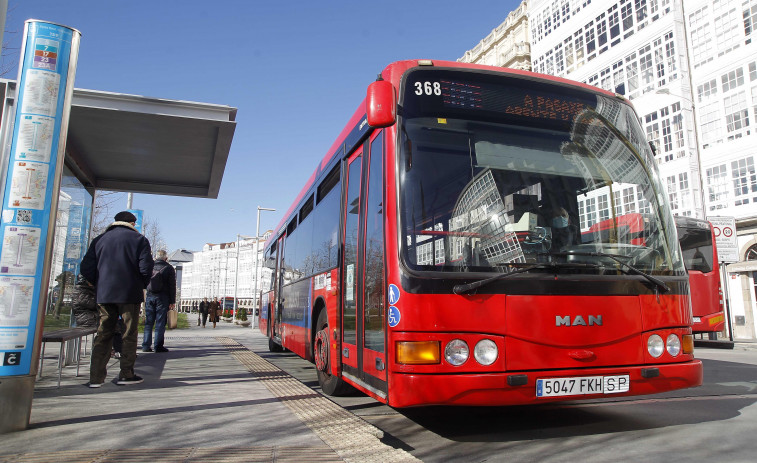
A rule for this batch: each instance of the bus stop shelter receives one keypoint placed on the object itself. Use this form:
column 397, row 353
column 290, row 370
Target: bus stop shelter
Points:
column 117, row 142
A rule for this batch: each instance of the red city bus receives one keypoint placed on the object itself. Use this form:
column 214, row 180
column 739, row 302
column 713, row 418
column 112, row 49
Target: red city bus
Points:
column 434, row 256
column 697, row 240
column 700, row 256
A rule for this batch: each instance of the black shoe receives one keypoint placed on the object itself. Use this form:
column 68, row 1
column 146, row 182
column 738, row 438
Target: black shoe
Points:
column 126, row 381
column 147, row 349
column 161, row 349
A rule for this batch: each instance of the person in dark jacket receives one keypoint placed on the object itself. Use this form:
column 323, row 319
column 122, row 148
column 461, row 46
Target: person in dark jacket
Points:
column 214, row 311
column 119, row 263
column 161, row 297
column 85, row 303
column 204, row 309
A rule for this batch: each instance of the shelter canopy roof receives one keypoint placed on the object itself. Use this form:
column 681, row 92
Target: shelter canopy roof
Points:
column 149, row 145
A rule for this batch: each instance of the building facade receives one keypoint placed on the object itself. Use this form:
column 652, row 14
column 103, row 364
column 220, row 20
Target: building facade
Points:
column 212, row 273
column 690, row 70
column 507, row 45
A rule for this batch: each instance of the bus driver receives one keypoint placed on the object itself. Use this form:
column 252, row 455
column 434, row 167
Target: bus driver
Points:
column 563, row 232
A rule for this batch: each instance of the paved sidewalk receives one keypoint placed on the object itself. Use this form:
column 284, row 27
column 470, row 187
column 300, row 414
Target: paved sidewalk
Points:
column 213, row 397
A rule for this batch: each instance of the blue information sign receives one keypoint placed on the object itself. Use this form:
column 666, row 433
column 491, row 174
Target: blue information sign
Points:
column 30, row 195
column 138, row 213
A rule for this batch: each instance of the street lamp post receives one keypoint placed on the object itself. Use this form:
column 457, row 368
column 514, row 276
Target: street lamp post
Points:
column 256, row 288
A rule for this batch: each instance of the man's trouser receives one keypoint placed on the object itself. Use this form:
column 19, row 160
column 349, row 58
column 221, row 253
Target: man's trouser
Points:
column 104, row 341
column 156, row 312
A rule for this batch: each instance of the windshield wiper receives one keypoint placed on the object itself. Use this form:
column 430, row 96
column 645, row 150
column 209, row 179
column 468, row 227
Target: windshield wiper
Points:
column 628, row 270
column 463, row 289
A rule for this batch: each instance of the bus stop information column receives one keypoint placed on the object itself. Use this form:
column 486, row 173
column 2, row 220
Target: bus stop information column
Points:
column 29, row 207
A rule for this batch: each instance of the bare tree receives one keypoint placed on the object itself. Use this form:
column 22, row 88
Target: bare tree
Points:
column 105, row 203
column 151, row 230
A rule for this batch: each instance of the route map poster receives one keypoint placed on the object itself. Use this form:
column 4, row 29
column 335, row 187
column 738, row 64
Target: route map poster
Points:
column 47, row 67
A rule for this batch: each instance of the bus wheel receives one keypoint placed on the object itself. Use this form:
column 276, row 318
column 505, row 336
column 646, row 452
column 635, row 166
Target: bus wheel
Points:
column 330, row 384
column 273, row 347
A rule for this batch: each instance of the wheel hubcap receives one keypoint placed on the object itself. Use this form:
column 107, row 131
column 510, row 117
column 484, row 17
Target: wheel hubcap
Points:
column 321, row 350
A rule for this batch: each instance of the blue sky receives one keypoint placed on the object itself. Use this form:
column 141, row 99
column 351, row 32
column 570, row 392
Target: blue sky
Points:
column 295, row 70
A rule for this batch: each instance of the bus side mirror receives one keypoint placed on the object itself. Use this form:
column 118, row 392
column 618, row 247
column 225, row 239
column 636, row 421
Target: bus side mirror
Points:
column 381, row 104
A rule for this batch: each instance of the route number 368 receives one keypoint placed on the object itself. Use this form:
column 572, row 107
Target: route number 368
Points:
column 428, row 88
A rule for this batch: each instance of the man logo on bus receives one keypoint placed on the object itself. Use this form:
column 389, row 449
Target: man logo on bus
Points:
column 578, row 320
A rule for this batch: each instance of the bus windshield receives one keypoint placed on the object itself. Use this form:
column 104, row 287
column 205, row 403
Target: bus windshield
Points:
column 497, row 173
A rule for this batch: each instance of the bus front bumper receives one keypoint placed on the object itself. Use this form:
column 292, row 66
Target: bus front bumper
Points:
column 519, row 387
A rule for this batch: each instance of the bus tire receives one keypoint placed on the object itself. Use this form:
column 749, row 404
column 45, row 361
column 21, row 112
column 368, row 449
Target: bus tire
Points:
column 273, row 347
column 330, row 384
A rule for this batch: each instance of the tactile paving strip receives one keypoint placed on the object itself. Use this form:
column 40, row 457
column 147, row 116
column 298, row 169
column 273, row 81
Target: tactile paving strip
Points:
column 349, row 436
column 182, row 455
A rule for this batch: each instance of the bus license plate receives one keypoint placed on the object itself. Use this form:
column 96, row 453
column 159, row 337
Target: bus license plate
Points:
column 582, row 385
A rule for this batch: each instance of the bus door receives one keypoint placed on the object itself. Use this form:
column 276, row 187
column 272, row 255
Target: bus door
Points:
column 275, row 302
column 363, row 314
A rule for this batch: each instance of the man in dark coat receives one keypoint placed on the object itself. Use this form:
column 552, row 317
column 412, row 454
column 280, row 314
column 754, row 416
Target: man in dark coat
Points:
column 119, row 263
column 204, row 309
column 161, row 297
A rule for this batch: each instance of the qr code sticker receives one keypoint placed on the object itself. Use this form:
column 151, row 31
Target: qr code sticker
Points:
column 24, row 216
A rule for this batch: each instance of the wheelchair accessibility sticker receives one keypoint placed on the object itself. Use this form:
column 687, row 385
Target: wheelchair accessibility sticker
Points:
column 394, row 316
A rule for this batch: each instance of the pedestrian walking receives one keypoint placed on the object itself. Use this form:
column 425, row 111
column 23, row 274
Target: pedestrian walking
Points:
column 161, row 297
column 214, row 312
column 119, row 263
column 204, row 310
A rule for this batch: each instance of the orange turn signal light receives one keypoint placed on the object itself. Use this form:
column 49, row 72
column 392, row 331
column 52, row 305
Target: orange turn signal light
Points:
column 688, row 344
column 418, row 352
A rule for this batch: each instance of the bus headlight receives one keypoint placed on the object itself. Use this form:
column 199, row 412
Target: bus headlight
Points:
column 673, row 345
column 485, row 352
column 456, row 352
column 655, row 346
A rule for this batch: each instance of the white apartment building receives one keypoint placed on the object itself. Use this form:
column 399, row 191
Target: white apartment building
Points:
column 690, row 69
column 213, row 273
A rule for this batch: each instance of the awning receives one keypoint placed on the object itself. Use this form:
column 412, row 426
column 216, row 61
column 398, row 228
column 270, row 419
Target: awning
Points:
column 149, row 145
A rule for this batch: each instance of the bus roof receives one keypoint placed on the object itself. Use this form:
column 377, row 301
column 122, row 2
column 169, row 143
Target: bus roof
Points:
column 393, row 73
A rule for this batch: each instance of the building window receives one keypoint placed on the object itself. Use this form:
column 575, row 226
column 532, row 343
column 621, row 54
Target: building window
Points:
column 701, row 38
column 717, row 181
column 750, row 18
column 604, row 208
column 628, row 200
column 641, row 10
column 727, row 32
column 590, row 43
column 645, row 66
column 732, row 80
column 673, row 192
column 601, row 30
column 736, row 115
column 653, row 135
column 707, row 90
column 744, row 181
column 711, row 123
column 626, row 13
column 614, row 23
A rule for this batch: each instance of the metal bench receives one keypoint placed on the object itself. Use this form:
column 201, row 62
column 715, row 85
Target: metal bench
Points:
column 61, row 336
